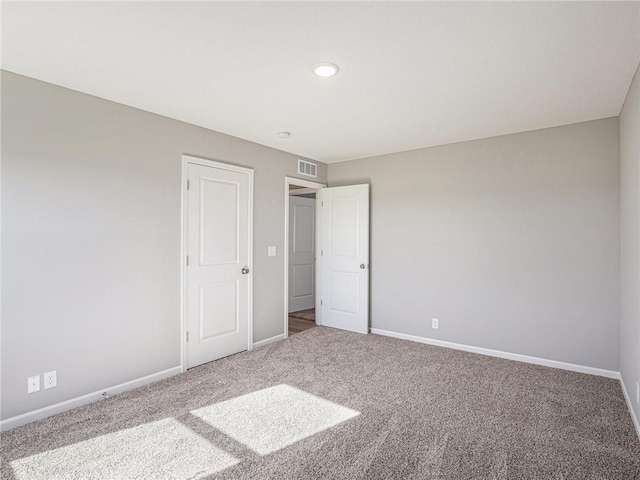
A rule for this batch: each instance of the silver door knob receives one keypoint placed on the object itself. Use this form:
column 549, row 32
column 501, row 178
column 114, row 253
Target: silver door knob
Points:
column 245, row 270
column 363, row 266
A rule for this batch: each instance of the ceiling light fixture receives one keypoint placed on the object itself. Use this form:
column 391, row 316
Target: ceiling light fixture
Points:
column 284, row 134
column 325, row 69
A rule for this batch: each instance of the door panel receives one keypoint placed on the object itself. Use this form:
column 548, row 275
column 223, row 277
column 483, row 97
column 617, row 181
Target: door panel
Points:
column 344, row 257
column 302, row 231
column 304, row 225
column 218, row 243
column 343, row 295
column 219, row 310
column 219, row 218
column 302, row 281
column 344, row 230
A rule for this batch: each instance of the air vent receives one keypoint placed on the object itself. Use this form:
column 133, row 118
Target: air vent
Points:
column 307, row 168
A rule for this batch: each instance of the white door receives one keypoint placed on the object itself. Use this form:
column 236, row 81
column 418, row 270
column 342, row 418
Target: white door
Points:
column 343, row 264
column 302, row 232
column 217, row 274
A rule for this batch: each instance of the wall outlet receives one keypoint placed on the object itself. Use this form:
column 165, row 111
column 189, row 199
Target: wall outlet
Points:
column 50, row 379
column 33, row 384
column 434, row 323
column 271, row 251
column 638, row 393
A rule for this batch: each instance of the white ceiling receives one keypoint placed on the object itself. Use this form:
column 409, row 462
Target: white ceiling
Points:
column 411, row 74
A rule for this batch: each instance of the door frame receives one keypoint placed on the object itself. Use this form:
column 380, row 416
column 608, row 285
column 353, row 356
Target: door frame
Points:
column 314, row 186
column 186, row 159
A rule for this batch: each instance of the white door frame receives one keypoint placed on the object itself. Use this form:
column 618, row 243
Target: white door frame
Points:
column 314, row 186
column 186, row 159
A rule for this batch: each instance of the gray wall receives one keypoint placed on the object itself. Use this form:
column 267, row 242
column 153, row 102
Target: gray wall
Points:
column 511, row 242
column 91, row 238
column 630, row 241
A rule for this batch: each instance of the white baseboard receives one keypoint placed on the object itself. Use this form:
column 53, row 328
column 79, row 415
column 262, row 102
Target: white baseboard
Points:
column 28, row 417
column 269, row 340
column 497, row 353
column 627, row 397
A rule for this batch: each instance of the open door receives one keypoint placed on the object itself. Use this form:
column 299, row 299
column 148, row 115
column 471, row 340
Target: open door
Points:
column 343, row 261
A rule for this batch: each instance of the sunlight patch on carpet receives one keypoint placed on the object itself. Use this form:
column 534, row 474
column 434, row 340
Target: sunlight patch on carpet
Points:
column 274, row 418
column 157, row 450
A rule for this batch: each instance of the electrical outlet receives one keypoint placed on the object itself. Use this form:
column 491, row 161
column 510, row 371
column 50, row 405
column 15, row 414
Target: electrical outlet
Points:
column 50, row 379
column 33, row 384
column 434, row 323
column 637, row 393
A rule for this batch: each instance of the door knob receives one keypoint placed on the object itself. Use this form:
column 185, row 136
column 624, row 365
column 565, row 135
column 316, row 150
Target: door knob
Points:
column 245, row 270
column 363, row 266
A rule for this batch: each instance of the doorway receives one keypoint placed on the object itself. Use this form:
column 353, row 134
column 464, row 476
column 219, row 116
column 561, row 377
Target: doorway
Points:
column 300, row 255
column 340, row 274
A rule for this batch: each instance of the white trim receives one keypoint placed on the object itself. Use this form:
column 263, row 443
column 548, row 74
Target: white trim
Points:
column 44, row 412
column 269, row 340
column 183, row 271
column 250, row 306
column 302, row 183
column 632, row 412
column 314, row 186
column 186, row 159
column 302, row 191
column 497, row 353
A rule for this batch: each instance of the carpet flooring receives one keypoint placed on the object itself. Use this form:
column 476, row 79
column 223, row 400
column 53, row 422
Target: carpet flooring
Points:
column 331, row 404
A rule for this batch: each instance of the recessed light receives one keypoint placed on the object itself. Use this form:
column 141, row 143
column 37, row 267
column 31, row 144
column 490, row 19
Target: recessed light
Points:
column 325, row 69
column 284, row 134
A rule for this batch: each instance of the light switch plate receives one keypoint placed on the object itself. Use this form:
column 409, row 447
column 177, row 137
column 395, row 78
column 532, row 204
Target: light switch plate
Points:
column 271, row 250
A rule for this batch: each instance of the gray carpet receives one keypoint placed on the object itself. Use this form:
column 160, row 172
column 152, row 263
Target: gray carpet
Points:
column 331, row 404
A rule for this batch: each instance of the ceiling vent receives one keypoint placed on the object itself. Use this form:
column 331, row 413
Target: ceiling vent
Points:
column 307, row 168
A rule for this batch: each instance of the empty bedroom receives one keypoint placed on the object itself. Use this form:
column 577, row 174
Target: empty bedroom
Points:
column 300, row 240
